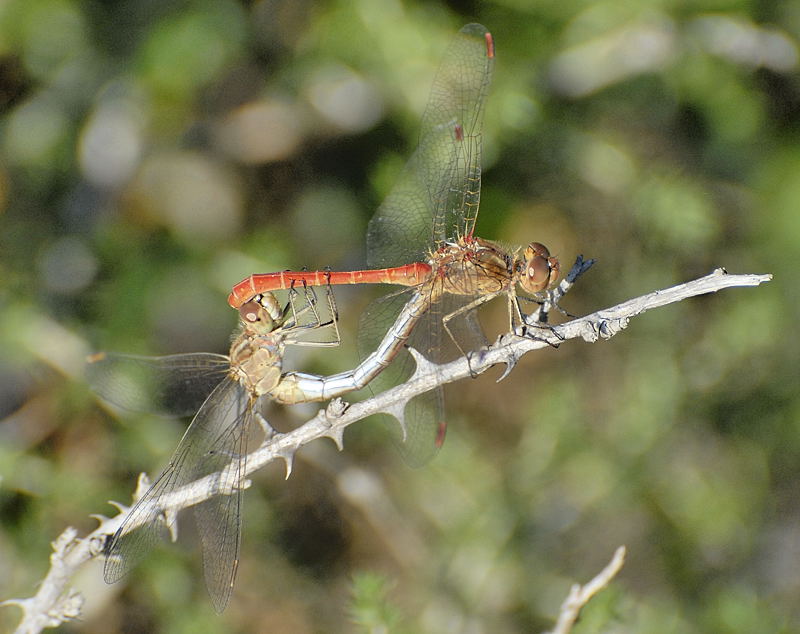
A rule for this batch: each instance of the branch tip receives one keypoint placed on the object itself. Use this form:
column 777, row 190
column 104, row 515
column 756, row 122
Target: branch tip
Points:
column 142, row 485
column 579, row 595
column 63, row 541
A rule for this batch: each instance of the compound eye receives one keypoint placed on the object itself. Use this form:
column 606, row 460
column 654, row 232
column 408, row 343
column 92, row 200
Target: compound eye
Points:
column 537, row 248
column 250, row 312
column 538, row 273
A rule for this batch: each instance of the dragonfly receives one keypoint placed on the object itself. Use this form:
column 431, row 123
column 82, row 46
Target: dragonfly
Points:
column 224, row 391
column 423, row 237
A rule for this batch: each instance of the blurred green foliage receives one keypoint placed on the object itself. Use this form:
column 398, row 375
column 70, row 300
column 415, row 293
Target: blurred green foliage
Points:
column 153, row 154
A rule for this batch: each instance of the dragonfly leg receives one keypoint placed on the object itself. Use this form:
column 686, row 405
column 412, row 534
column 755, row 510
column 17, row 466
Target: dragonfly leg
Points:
column 469, row 355
column 479, row 301
column 550, row 301
column 516, row 318
column 318, row 323
column 310, row 305
column 334, row 314
column 529, row 326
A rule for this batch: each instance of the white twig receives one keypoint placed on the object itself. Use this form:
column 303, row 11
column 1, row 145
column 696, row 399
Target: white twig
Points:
column 579, row 595
column 55, row 603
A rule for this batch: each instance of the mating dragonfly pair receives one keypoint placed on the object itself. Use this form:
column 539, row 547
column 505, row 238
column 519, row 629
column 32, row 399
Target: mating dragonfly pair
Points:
column 422, row 237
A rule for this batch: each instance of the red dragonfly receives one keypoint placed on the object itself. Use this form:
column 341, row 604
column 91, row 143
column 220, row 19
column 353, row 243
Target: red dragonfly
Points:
column 422, row 236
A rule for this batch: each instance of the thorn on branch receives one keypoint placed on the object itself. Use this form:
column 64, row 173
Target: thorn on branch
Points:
column 244, row 484
column 288, row 458
column 423, row 365
column 611, row 327
column 336, row 434
column 511, row 363
column 142, row 486
column 170, row 519
column 121, row 508
column 62, row 544
column 397, row 411
column 335, row 410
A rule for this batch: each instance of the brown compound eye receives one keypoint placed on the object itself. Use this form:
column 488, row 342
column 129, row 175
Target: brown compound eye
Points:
column 537, row 248
column 250, row 312
column 537, row 273
column 541, row 270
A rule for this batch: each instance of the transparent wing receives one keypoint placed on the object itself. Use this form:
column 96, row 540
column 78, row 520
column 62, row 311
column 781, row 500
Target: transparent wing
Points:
column 436, row 197
column 215, row 442
column 424, row 414
column 424, row 420
column 175, row 385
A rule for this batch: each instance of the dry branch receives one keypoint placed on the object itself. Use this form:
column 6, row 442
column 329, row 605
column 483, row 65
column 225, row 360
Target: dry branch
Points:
column 55, row 602
column 579, row 595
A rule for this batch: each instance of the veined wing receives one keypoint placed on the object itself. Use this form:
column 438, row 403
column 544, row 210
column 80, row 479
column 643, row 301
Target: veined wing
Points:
column 436, row 197
column 214, row 443
column 424, row 414
column 174, row 385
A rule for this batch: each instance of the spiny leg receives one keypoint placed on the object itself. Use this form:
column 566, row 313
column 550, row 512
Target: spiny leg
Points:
column 473, row 305
column 295, row 333
column 540, row 321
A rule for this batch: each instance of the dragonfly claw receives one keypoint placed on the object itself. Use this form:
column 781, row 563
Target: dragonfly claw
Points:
column 469, row 356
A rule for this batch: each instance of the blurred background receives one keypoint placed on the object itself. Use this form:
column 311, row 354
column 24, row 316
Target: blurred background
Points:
column 155, row 153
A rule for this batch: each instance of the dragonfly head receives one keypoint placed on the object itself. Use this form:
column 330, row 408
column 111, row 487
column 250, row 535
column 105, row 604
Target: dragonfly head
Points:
column 541, row 269
column 262, row 313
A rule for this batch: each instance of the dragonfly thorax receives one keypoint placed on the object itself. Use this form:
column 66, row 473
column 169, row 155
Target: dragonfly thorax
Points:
column 470, row 266
column 256, row 363
column 256, row 353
